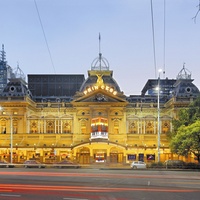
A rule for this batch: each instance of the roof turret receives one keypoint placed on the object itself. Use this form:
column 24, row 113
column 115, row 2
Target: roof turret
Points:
column 184, row 73
column 100, row 63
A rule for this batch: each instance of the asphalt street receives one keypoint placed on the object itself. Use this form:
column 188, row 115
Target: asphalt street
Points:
column 98, row 184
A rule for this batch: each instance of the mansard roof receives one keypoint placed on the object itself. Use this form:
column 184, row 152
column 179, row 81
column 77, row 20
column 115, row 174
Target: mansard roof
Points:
column 107, row 78
column 16, row 87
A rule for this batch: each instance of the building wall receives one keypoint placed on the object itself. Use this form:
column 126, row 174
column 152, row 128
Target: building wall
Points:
column 64, row 132
column 97, row 125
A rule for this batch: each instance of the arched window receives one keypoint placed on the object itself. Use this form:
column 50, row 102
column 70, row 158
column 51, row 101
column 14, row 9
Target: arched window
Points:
column 133, row 128
column 3, row 126
column 83, row 127
column 50, row 126
column 33, row 126
column 67, row 126
column 165, row 126
column 116, row 127
column 149, row 127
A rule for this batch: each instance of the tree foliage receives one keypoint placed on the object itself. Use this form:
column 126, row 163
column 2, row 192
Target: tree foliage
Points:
column 185, row 138
column 187, row 116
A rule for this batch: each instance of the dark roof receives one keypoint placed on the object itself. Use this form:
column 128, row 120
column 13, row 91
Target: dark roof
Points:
column 16, row 87
column 53, row 85
column 166, row 86
column 185, row 88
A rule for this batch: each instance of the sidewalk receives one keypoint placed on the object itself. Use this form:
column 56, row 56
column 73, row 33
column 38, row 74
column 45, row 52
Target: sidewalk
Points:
column 106, row 166
column 118, row 166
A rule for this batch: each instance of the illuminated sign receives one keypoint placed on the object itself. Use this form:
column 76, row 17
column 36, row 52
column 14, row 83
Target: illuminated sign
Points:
column 102, row 87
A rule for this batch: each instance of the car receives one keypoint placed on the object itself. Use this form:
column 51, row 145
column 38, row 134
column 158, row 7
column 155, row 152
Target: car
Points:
column 6, row 164
column 66, row 164
column 138, row 165
column 33, row 164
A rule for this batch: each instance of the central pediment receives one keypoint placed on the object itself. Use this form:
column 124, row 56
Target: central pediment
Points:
column 100, row 96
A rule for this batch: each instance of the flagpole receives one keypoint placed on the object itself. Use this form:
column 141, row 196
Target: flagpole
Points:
column 100, row 51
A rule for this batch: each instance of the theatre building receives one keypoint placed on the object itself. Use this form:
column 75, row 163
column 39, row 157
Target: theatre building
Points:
column 90, row 120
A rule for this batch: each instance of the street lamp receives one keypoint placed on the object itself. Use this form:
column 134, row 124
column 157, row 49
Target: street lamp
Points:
column 158, row 104
column 11, row 139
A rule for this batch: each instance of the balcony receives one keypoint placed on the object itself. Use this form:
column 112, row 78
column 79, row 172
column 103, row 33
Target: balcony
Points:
column 97, row 135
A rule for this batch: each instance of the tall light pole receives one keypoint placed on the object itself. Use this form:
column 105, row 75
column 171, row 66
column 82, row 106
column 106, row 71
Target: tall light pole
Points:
column 158, row 104
column 11, row 139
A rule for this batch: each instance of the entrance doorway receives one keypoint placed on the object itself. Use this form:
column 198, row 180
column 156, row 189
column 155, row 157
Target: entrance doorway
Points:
column 114, row 157
column 83, row 157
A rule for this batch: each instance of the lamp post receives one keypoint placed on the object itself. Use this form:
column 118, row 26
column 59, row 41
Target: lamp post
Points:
column 158, row 104
column 11, row 139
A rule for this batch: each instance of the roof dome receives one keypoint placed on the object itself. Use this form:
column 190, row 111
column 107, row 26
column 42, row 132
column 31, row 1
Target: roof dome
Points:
column 16, row 87
column 100, row 63
column 184, row 73
column 19, row 73
column 95, row 76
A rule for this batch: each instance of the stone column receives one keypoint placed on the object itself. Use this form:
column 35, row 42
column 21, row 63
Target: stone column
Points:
column 91, row 157
column 108, row 155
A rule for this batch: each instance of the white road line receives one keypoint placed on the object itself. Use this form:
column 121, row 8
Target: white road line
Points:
column 74, row 199
column 10, row 195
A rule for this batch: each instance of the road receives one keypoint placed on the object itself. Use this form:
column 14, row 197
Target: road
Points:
column 98, row 184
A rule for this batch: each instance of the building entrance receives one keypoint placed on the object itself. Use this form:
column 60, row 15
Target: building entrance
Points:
column 83, row 157
column 116, row 157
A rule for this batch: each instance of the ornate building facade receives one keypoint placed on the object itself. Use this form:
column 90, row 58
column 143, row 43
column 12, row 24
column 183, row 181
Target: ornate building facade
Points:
column 56, row 117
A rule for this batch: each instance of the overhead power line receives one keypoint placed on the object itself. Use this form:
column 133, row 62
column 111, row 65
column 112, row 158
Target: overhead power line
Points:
column 45, row 38
column 154, row 46
column 164, row 39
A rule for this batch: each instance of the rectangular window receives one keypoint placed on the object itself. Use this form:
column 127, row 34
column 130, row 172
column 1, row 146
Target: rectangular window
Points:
column 131, row 156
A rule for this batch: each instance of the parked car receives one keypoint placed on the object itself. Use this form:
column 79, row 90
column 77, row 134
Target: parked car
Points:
column 138, row 165
column 175, row 164
column 66, row 164
column 33, row 163
column 4, row 163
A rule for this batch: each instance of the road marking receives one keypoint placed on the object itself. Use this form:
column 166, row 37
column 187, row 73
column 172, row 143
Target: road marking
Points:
column 10, row 195
column 74, row 199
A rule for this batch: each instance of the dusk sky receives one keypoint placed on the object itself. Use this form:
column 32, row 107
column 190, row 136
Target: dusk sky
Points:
column 72, row 30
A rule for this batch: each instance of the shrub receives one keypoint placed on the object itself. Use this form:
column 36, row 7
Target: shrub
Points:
column 156, row 165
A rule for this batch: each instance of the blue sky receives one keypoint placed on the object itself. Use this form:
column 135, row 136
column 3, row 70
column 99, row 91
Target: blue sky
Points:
column 72, row 31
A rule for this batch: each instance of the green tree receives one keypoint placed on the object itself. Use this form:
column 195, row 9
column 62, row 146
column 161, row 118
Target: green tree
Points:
column 185, row 137
column 187, row 140
column 187, row 116
column 183, row 119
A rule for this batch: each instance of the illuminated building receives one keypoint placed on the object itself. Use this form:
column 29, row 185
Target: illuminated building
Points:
column 90, row 120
